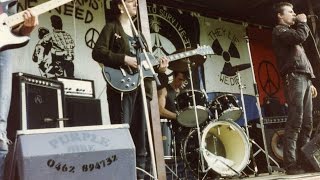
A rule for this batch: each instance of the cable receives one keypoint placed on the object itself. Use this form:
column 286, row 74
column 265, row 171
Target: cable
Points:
column 314, row 42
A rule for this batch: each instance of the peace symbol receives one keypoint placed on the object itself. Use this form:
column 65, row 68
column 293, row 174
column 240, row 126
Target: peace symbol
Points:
column 269, row 78
column 91, row 37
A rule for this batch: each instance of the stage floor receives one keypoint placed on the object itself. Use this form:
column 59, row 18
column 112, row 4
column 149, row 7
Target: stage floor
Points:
column 280, row 175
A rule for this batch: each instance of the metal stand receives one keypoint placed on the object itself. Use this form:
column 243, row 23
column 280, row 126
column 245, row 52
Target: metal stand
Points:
column 259, row 108
column 144, row 99
column 196, row 116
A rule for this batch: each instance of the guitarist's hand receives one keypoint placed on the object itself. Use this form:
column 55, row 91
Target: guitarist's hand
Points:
column 30, row 22
column 131, row 61
column 164, row 63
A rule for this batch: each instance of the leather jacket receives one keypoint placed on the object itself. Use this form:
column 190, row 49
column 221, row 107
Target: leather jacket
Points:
column 287, row 44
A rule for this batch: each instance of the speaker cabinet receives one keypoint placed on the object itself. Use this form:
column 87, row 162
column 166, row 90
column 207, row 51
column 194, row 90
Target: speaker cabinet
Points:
column 311, row 150
column 274, row 140
column 36, row 103
column 76, row 153
column 82, row 111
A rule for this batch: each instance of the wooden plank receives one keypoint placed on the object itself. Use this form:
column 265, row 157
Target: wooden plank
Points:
column 155, row 115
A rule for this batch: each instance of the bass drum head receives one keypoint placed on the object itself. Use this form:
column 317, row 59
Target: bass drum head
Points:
column 225, row 148
column 191, row 157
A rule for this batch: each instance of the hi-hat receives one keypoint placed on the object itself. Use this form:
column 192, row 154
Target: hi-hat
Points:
column 181, row 65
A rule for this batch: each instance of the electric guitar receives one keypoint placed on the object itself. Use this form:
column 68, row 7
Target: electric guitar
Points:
column 9, row 40
column 125, row 79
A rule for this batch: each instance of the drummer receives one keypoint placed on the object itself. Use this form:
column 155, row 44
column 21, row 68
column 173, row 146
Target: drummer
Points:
column 166, row 99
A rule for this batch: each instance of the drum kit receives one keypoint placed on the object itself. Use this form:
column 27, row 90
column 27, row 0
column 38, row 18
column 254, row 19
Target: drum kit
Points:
column 215, row 143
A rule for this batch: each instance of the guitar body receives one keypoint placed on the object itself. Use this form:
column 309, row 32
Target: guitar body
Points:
column 123, row 79
column 9, row 40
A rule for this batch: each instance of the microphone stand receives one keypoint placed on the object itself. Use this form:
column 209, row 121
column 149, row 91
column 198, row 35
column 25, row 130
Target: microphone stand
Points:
column 259, row 108
column 144, row 99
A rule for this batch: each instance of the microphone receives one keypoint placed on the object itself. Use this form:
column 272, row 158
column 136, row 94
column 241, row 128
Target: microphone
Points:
column 312, row 16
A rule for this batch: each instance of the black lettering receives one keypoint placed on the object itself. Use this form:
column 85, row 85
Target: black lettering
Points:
column 94, row 5
column 109, row 161
column 89, row 17
column 68, row 9
column 98, row 166
column 114, row 157
column 79, row 13
column 103, row 163
column 91, row 167
column 85, row 168
column 58, row 166
column 71, row 169
column 51, row 162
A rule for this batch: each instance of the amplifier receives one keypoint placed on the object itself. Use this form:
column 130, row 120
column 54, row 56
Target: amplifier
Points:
column 77, row 87
column 36, row 103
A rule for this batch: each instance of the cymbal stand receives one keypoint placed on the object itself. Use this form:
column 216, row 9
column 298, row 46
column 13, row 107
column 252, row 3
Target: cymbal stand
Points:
column 196, row 114
column 246, row 121
column 142, row 49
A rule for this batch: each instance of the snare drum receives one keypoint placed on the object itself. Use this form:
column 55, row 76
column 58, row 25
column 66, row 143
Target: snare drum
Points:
column 186, row 109
column 227, row 108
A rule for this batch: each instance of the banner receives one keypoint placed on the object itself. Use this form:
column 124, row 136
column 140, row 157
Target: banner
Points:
column 266, row 71
column 174, row 31
column 61, row 45
column 231, row 61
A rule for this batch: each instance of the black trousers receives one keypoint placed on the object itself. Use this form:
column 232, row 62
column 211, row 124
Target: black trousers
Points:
column 299, row 125
column 128, row 108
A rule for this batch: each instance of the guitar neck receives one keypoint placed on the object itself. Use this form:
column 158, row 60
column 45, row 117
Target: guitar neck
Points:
column 17, row 18
column 182, row 55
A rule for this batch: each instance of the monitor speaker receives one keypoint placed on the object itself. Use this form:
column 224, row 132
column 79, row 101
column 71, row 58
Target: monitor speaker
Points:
column 75, row 153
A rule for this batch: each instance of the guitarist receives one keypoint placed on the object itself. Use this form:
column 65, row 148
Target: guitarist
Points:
column 30, row 22
column 115, row 47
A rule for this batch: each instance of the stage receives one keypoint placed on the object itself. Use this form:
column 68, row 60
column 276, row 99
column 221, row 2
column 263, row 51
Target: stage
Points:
column 277, row 175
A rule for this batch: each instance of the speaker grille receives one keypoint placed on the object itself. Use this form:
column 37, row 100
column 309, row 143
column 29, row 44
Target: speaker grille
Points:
column 36, row 103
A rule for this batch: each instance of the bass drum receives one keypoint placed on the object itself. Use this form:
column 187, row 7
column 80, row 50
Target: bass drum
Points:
column 225, row 147
column 191, row 157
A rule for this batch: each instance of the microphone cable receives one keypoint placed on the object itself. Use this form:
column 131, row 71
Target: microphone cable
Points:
column 314, row 41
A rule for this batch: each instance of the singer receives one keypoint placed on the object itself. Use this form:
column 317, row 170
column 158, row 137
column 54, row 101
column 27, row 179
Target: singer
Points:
column 297, row 73
column 116, row 48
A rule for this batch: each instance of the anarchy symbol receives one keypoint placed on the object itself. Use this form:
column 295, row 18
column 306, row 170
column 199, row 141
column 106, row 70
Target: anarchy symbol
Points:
column 269, row 78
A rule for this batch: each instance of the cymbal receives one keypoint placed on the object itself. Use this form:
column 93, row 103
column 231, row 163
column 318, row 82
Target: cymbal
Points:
column 182, row 64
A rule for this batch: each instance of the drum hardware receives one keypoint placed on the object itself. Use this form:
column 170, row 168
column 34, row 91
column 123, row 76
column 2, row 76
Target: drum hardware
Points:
column 196, row 115
column 246, row 122
column 169, row 147
column 265, row 150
